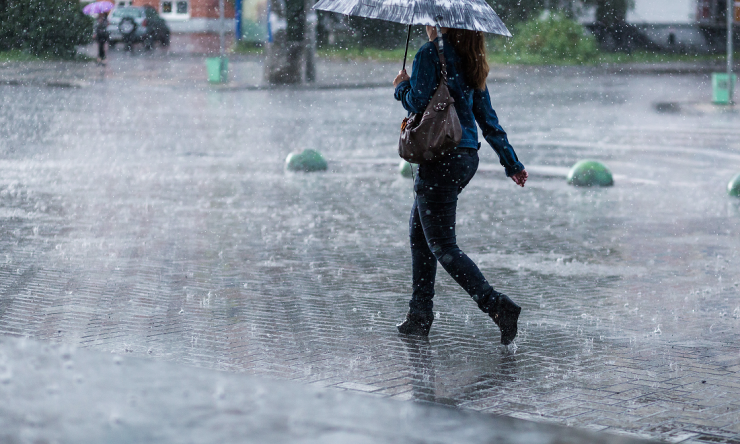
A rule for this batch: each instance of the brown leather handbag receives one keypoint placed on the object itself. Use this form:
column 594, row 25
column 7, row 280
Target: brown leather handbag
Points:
column 427, row 136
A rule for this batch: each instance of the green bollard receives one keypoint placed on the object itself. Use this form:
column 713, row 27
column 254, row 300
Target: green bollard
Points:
column 590, row 173
column 721, row 88
column 218, row 69
column 406, row 169
column 733, row 188
column 309, row 160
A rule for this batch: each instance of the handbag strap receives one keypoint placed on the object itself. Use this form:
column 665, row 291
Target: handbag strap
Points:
column 440, row 50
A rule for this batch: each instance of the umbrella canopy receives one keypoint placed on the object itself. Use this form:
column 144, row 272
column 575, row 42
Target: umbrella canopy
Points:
column 97, row 8
column 475, row 15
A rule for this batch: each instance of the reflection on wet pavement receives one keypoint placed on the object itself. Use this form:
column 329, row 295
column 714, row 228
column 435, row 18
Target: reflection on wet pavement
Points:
column 159, row 221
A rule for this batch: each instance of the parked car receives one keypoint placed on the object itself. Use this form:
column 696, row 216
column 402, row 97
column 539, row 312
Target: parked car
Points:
column 133, row 24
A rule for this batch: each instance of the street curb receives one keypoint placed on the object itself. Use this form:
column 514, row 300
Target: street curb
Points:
column 49, row 84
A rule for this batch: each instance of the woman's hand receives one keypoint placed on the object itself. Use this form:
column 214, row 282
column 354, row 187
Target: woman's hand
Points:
column 400, row 77
column 520, row 178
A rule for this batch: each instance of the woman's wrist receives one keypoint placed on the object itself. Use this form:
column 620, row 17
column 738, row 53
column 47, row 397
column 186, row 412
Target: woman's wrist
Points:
column 401, row 89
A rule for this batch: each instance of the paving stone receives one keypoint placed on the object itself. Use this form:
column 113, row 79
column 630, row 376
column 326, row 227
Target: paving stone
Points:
column 648, row 410
column 714, row 439
column 672, row 435
column 568, row 412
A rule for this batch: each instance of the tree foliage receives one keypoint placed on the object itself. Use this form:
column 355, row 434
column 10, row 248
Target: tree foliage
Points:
column 378, row 33
column 44, row 27
column 554, row 38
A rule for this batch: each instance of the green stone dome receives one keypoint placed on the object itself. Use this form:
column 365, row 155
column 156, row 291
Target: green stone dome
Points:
column 590, row 173
column 309, row 160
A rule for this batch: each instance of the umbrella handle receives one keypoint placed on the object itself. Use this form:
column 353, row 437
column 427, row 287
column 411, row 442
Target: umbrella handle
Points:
column 406, row 53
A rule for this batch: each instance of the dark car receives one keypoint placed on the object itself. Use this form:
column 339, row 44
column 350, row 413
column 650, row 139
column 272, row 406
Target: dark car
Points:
column 133, row 24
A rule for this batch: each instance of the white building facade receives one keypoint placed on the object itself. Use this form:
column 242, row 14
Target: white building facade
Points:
column 663, row 12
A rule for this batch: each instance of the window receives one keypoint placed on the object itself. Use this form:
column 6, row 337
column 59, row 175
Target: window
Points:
column 175, row 9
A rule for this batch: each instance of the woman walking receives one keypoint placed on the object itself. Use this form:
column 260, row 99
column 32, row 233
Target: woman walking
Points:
column 101, row 36
column 432, row 223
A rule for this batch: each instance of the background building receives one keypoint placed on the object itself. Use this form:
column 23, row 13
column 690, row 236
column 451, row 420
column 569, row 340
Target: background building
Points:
column 663, row 12
column 691, row 26
column 670, row 24
column 189, row 15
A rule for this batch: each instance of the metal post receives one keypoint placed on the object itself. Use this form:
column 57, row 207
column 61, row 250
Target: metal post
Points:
column 238, row 19
column 730, row 48
column 309, row 38
column 221, row 42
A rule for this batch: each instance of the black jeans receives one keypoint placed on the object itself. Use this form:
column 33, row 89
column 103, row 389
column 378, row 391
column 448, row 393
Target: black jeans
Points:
column 101, row 49
column 432, row 229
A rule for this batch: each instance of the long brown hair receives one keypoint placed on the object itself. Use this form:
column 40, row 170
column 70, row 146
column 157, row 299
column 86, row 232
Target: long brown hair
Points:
column 471, row 47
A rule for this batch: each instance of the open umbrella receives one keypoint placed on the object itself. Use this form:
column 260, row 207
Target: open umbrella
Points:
column 97, row 8
column 475, row 15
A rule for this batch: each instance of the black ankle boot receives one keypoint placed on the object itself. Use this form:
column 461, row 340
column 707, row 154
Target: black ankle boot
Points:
column 415, row 324
column 505, row 313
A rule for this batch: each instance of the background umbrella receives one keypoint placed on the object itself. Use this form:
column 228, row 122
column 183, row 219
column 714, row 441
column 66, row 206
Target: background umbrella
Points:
column 475, row 15
column 97, row 8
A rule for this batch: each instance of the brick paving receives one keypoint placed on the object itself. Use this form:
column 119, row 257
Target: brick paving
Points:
column 160, row 223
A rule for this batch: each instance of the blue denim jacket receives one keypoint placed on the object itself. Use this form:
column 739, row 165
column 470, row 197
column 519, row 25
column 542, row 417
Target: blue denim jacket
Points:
column 472, row 104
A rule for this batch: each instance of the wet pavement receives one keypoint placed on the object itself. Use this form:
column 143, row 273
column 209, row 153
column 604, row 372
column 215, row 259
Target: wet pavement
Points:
column 146, row 213
column 63, row 394
column 183, row 65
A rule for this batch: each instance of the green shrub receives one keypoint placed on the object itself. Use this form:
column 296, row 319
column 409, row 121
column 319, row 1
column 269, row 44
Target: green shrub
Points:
column 44, row 27
column 554, row 38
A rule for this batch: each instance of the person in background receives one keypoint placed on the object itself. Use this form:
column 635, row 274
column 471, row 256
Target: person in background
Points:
column 101, row 36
